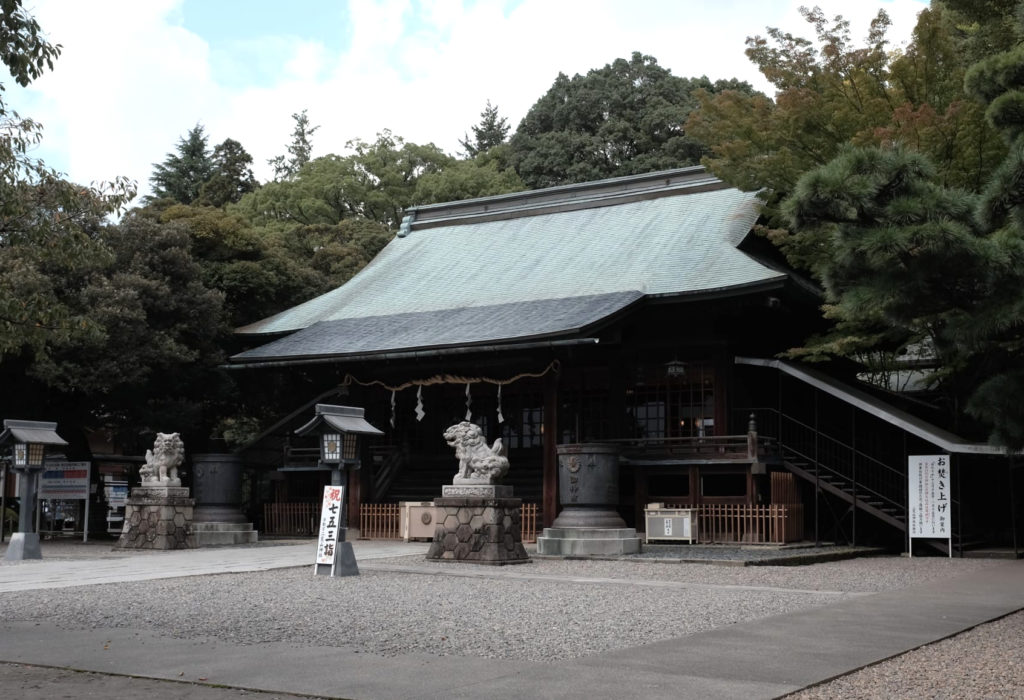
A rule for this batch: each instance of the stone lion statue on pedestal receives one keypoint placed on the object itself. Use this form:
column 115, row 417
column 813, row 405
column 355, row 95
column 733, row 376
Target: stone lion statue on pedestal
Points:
column 163, row 460
column 478, row 463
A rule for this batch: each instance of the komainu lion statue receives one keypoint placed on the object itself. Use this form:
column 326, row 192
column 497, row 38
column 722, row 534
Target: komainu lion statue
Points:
column 163, row 460
column 478, row 463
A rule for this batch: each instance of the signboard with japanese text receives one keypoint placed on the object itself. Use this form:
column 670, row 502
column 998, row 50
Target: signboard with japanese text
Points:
column 116, row 493
column 65, row 481
column 930, row 507
column 330, row 524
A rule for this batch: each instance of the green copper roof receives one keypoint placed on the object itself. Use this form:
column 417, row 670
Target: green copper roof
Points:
column 672, row 233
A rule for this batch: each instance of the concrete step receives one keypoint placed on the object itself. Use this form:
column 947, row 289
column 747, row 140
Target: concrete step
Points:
column 215, row 534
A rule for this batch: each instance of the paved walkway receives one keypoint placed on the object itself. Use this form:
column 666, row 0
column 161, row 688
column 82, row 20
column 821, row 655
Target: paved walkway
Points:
column 760, row 659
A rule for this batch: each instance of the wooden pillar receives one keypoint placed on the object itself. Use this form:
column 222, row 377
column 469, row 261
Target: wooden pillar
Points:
column 354, row 479
column 723, row 368
column 549, row 499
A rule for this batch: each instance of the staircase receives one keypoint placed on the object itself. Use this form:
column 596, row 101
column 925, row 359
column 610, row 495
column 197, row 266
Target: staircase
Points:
column 853, row 447
column 848, row 490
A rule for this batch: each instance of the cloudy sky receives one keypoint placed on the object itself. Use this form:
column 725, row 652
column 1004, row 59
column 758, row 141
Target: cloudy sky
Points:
column 135, row 75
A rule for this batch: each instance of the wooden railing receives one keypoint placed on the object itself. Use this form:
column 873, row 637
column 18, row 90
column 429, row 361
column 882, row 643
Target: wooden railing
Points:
column 749, row 445
column 290, row 519
column 380, row 521
column 770, row 524
column 529, row 522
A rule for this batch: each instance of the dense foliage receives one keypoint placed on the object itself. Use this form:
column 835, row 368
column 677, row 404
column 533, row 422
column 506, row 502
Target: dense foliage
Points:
column 913, row 257
column 625, row 118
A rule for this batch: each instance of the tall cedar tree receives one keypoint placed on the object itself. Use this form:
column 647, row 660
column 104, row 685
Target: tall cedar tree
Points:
column 491, row 131
column 182, row 174
column 299, row 150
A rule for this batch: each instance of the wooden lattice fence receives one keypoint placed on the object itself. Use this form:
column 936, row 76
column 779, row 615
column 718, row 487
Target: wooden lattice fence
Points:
column 769, row 524
column 381, row 521
column 291, row 519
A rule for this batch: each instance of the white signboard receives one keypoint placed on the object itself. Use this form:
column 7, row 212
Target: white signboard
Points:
column 930, row 507
column 330, row 524
column 67, row 481
column 116, row 493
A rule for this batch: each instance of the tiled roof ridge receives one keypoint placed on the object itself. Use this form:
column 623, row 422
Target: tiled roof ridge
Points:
column 583, row 195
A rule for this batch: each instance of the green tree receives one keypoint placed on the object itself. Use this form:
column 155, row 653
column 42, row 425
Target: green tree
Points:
column 299, row 150
column 377, row 182
column 491, row 131
column 625, row 118
column 832, row 92
column 244, row 263
column 182, row 174
column 231, row 175
column 46, row 223
column 907, row 260
column 26, row 53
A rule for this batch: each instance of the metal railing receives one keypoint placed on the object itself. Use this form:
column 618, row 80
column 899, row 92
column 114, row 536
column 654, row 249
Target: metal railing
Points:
column 839, row 466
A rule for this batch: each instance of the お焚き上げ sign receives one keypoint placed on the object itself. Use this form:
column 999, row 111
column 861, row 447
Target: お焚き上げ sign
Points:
column 330, row 524
column 930, row 506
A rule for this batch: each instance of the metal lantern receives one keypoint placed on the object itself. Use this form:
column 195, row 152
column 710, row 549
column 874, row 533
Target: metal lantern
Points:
column 29, row 454
column 340, row 428
column 330, row 448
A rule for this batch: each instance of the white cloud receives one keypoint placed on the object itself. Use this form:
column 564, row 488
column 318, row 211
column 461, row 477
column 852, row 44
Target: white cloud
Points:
column 132, row 80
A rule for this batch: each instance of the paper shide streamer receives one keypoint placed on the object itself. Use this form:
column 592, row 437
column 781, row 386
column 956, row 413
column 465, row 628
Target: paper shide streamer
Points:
column 553, row 366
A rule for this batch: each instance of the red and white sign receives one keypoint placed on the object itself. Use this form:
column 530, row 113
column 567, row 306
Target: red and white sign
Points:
column 330, row 524
column 67, row 481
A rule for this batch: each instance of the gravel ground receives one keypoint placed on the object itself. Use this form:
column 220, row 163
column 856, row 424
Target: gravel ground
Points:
column 985, row 662
column 544, row 611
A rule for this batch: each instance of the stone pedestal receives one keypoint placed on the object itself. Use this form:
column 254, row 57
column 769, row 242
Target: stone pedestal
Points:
column 588, row 488
column 217, row 487
column 478, row 530
column 158, row 517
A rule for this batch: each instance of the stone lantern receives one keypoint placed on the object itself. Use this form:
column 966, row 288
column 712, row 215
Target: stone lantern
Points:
column 29, row 440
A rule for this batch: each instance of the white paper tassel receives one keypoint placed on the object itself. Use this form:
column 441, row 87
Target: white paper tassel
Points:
column 501, row 418
column 469, row 402
column 419, row 404
column 392, row 408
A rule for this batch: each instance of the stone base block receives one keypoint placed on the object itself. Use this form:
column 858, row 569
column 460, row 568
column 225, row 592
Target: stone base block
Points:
column 344, row 562
column 23, row 545
column 215, row 534
column 158, row 518
column 478, row 531
column 588, row 541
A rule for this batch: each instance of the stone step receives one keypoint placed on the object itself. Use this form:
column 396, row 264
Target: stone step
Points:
column 589, row 533
column 221, row 527
column 215, row 534
column 588, row 541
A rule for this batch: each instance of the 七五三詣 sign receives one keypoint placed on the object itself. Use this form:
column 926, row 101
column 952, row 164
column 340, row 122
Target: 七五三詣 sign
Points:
column 330, row 524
